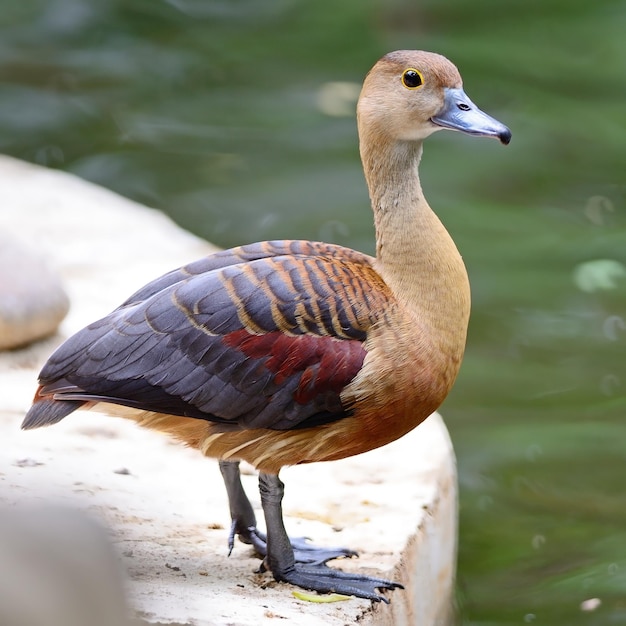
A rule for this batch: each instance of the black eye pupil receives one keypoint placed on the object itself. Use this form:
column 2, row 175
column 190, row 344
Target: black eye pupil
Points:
column 412, row 78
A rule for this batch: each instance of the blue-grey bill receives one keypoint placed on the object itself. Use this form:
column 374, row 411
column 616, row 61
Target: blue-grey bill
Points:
column 460, row 113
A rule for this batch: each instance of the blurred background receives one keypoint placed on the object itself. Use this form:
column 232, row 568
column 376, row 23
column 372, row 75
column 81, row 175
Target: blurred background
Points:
column 236, row 118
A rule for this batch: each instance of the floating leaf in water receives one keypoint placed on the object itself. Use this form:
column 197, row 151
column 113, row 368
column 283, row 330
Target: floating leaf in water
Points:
column 612, row 326
column 597, row 207
column 591, row 604
column 599, row 274
column 338, row 99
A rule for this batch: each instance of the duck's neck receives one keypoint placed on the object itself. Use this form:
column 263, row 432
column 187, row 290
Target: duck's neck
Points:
column 414, row 253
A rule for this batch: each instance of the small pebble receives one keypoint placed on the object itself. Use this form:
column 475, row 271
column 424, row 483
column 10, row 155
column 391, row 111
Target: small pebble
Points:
column 27, row 463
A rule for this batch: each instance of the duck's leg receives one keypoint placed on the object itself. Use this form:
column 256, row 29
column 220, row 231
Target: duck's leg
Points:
column 243, row 520
column 244, row 524
column 317, row 576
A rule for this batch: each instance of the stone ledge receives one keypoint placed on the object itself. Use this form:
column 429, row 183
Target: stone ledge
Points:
column 165, row 505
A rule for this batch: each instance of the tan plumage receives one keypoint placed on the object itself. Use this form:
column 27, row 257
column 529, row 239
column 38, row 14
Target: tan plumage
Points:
column 293, row 352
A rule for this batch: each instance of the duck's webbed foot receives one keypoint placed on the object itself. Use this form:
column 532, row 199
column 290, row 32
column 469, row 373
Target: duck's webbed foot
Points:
column 282, row 562
column 303, row 550
column 324, row 579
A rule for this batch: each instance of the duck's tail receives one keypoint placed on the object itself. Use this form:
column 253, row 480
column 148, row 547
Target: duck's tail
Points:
column 46, row 411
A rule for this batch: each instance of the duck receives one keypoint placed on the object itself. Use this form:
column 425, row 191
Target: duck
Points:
column 290, row 352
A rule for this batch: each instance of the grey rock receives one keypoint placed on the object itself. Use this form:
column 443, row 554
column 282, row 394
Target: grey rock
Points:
column 32, row 300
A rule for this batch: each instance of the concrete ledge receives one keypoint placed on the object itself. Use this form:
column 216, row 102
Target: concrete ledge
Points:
column 165, row 505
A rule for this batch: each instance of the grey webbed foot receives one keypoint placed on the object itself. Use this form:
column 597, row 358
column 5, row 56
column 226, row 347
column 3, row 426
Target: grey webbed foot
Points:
column 294, row 561
column 303, row 550
column 281, row 556
column 324, row 579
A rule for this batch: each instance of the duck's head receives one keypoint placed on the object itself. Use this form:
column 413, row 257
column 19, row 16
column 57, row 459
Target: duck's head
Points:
column 409, row 94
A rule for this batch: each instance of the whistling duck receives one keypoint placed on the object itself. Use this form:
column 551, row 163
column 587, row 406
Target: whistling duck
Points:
column 288, row 352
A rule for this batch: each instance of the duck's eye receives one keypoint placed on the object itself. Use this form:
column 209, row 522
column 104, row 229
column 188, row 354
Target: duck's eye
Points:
column 412, row 78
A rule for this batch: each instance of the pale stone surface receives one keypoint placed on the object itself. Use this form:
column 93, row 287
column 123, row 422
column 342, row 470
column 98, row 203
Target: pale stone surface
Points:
column 165, row 505
column 32, row 299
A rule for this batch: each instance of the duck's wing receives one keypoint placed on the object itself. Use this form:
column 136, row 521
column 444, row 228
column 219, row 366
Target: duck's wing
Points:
column 247, row 339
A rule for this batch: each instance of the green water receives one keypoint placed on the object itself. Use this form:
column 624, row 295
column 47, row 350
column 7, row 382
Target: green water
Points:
column 211, row 111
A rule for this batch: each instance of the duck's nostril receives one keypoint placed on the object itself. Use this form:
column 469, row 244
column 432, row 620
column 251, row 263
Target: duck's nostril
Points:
column 463, row 106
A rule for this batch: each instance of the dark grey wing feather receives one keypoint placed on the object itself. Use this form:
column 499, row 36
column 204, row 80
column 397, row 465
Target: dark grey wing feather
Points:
column 244, row 337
